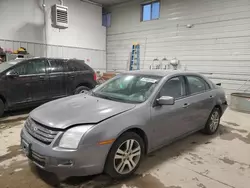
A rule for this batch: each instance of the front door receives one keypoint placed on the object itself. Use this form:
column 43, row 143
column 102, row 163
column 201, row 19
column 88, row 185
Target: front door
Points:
column 18, row 86
column 38, row 79
column 170, row 121
column 30, row 85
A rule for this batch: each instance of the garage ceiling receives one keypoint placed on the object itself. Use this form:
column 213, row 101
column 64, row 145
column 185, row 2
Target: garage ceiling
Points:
column 109, row 2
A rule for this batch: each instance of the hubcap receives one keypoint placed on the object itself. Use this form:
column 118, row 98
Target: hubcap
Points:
column 215, row 118
column 127, row 156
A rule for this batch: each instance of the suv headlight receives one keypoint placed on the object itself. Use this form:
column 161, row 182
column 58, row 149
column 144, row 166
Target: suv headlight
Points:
column 73, row 136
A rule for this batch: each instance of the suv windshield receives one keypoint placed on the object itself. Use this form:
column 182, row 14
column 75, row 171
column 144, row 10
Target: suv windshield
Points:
column 5, row 65
column 128, row 88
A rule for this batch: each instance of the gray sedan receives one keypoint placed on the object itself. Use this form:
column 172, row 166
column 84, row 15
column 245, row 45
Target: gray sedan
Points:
column 111, row 129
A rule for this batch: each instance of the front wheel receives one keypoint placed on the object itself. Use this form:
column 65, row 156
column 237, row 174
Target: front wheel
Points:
column 213, row 122
column 125, row 156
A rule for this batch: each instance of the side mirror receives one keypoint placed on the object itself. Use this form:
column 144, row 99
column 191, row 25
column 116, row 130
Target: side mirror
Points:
column 12, row 74
column 165, row 100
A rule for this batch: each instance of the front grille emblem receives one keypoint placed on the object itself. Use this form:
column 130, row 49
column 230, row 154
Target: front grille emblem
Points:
column 40, row 132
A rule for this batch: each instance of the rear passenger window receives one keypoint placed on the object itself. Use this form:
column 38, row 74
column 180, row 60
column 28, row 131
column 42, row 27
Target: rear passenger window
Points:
column 74, row 66
column 56, row 65
column 197, row 85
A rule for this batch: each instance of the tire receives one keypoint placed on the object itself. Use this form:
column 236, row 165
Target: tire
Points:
column 122, row 167
column 82, row 89
column 1, row 108
column 213, row 122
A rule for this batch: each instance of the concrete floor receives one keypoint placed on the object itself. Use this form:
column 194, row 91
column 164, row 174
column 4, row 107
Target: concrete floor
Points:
column 201, row 161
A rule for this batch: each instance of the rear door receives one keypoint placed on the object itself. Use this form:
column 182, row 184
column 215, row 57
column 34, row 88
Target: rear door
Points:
column 201, row 100
column 57, row 84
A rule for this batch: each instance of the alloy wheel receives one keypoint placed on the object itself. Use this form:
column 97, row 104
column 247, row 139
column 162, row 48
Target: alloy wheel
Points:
column 127, row 156
column 215, row 119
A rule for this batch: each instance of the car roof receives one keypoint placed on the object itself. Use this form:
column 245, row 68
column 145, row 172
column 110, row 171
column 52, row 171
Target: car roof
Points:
column 161, row 73
column 48, row 58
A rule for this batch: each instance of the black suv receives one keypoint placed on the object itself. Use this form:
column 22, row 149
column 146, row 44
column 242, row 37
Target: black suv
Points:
column 29, row 82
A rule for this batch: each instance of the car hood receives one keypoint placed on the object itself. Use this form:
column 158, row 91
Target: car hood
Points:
column 77, row 109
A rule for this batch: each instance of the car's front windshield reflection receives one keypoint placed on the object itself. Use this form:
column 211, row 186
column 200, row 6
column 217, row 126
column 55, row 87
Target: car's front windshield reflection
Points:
column 128, row 88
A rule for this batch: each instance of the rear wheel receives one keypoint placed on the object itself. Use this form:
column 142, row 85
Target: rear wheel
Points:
column 82, row 89
column 213, row 122
column 1, row 108
column 125, row 156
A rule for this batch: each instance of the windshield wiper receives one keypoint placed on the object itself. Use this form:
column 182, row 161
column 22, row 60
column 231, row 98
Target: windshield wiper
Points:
column 100, row 95
column 112, row 98
column 106, row 97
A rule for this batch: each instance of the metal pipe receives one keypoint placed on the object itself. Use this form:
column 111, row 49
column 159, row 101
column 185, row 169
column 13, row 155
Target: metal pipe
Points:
column 61, row 2
column 92, row 2
column 45, row 26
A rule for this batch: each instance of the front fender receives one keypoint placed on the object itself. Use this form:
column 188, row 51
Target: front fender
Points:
column 112, row 128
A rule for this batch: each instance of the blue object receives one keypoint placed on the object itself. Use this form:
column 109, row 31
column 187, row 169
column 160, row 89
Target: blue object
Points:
column 135, row 58
column 151, row 11
column 155, row 10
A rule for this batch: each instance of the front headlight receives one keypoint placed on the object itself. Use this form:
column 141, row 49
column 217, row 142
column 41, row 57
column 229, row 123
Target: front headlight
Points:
column 72, row 137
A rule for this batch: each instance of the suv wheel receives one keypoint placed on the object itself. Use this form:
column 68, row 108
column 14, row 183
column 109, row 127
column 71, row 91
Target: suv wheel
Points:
column 213, row 122
column 1, row 108
column 125, row 156
column 82, row 89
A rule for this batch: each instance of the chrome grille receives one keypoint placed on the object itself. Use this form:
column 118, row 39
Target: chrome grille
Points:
column 40, row 132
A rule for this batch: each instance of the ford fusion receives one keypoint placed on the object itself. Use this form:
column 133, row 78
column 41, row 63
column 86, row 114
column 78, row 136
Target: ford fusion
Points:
column 111, row 128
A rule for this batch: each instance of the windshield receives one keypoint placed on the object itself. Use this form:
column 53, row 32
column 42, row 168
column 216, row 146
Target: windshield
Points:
column 5, row 65
column 128, row 88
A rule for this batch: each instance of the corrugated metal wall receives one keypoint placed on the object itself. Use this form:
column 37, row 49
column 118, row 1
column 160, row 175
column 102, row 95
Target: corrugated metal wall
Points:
column 218, row 44
column 96, row 57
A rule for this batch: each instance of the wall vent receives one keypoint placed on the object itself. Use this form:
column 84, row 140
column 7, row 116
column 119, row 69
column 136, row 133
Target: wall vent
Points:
column 60, row 16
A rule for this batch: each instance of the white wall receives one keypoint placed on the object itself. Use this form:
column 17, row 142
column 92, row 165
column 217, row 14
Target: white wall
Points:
column 23, row 20
column 219, row 42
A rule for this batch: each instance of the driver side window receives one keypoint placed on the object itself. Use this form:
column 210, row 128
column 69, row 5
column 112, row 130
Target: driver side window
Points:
column 20, row 70
column 31, row 67
column 175, row 87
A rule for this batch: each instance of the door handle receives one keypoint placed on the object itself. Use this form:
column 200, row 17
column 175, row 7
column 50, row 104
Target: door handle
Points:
column 211, row 96
column 185, row 105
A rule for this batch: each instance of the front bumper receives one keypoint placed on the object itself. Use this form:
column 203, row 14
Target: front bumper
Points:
column 86, row 160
